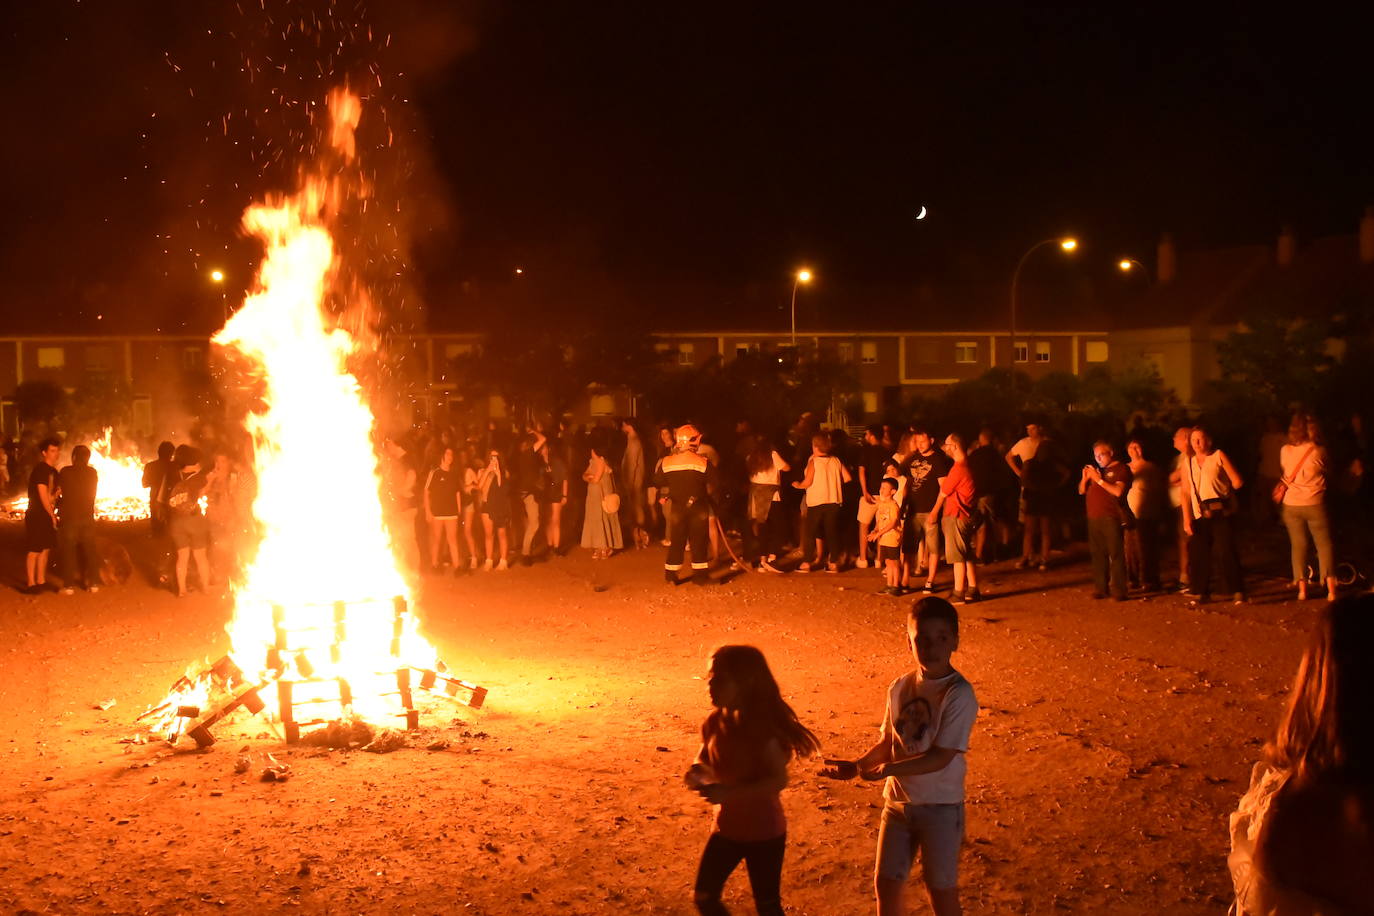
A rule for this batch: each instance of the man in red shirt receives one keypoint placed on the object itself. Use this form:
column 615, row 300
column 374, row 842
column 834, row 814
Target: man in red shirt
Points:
column 953, row 510
column 1103, row 485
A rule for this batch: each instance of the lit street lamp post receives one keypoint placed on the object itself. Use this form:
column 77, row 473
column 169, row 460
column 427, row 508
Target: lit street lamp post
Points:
column 1067, row 244
column 1129, row 265
column 217, row 277
column 802, row 276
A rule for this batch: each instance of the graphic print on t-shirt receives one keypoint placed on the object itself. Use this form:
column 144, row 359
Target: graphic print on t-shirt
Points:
column 913, row 725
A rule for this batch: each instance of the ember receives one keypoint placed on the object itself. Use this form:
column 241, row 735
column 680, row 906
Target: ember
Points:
column 323, row 610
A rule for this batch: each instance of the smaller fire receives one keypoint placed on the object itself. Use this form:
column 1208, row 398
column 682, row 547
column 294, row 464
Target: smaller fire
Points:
column 120, row 494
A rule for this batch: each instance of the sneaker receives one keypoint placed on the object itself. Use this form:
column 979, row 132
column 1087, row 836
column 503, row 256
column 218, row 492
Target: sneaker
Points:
column 928, row 588
column 972, row 595
column 1023, row 563
column 887, row 590
column 957, row 598
column 1043, row 567
column 833, row 568
column 1238, row 598
column 861, row 563
column 766, row 566
column 68, row 590
column 93, row 589
column 804, row 568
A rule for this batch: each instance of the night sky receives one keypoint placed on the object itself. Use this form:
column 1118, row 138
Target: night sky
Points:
column 645, row 154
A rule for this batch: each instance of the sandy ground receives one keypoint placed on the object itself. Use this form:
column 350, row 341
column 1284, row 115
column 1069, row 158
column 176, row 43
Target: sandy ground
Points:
column 1112, row 741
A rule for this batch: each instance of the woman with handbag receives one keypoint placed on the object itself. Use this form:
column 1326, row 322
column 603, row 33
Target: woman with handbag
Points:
column 601, row 523
column 1301, row 497
column 1208, row 485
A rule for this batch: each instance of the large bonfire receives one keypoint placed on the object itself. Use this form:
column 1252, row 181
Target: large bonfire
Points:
column 323, row 608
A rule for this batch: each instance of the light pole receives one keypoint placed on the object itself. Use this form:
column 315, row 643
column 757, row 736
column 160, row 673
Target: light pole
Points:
column 1068, row 245
column 801, row 276
column 1129, row 265
column 217, row 276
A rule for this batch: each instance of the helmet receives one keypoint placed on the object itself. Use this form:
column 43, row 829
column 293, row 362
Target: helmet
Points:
column 687, row 437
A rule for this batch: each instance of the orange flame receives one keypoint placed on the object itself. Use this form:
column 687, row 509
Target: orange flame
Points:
column 319, row 513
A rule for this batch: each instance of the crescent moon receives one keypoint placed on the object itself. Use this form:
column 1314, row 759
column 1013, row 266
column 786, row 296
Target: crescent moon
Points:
column 922, row 214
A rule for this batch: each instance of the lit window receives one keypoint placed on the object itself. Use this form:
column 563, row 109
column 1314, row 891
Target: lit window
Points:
column 870, row 403
column 845, row 352
column 686, row 354
column 1022, row 351
column 51, row 357
column 868, row 353
column 1096, row 351
column 1042, row 351
column 192, row 358
column 966, row 351
column 602, row 405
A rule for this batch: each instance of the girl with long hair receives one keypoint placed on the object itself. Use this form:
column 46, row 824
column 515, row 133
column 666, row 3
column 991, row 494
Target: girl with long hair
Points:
column 1301, row 494
column 746, row 744
column 1302, row 838
column 766, row 522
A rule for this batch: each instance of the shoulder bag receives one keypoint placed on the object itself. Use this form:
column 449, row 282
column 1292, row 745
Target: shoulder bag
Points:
column 1281, row 488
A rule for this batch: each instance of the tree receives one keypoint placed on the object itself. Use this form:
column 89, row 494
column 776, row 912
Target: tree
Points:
column 1277, row 363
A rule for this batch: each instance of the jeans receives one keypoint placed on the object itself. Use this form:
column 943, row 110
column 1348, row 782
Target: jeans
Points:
column 1300, row 521
column 826, row 519
column 762, row 858
column 1109, row 556
column 74, row 535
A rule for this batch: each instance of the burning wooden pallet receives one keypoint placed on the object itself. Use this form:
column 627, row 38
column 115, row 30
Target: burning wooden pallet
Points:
column 307, row 696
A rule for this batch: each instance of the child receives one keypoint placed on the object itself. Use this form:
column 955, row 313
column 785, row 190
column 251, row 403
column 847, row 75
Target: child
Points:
column 930, row 712
column 747, row 741
column 887, row 534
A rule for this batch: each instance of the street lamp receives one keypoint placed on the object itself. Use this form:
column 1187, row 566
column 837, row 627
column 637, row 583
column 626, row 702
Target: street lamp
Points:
column 1065, row 244
column 217, row 276
column 802, row 276
column 1129, row 265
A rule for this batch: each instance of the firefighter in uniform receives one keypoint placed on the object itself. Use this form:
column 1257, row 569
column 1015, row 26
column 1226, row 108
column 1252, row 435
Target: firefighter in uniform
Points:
column 688, row 478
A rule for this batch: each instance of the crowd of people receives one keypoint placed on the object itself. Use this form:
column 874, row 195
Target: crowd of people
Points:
column 901, row 500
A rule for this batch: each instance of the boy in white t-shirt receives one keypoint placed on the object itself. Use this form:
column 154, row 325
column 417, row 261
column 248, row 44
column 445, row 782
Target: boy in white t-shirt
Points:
column 925, row 734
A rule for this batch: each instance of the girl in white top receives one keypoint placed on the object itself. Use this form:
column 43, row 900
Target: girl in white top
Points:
column 1303, row 461
column 825, row 476
column 765, row 507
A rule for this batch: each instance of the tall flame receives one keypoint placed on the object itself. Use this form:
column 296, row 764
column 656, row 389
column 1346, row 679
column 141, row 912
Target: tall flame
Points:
column 324, row 540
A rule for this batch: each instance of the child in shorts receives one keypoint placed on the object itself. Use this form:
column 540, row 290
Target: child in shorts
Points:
column 925, row 734
column 887, row 534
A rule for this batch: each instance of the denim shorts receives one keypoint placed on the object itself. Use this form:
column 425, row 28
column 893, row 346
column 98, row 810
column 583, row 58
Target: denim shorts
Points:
column 936, row 830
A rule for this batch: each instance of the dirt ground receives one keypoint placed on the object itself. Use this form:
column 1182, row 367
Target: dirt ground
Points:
column 1113, row 739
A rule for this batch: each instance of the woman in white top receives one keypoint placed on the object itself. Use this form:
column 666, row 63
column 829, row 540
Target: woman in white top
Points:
column 825, row 476
column 765, row 506
column 1210, row 480
column 1303, row 461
